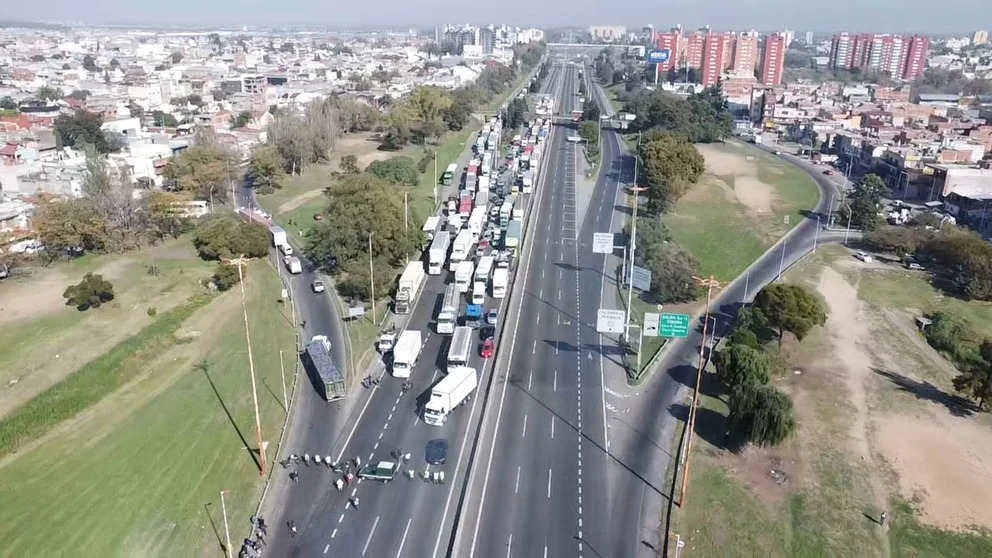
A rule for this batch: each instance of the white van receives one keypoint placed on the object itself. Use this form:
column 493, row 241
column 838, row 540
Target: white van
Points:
column 286, row 249
column 479, row 293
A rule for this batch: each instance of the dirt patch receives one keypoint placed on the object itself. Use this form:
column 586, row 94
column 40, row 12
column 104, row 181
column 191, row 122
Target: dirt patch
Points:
column 950, row 475
column 363, row 145
column 299, row 201
column 768, row 473
column 738, row 176
column 40, row 293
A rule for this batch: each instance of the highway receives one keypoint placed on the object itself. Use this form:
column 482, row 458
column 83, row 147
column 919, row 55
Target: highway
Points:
column 403, row 517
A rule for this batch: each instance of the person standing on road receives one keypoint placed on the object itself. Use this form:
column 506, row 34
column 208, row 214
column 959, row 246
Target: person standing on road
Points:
column 292, row 528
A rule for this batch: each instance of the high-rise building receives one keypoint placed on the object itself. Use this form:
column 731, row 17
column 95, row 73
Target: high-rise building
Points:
column 745, row 53
column 789, row 35
column 809, row 37
column 890, row 54
column 694, row 42
column 608, row 32
column 674, row 43
column 712, row 63
column 773, row 59
column 916, row 57
column 981, row 37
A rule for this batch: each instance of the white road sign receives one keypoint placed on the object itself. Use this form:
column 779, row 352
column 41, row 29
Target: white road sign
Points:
column 651, row 320
column 609, row 321
column 602, row 243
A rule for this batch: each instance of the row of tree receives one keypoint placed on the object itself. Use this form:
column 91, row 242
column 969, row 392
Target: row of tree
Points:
column 759, row 413
column 668, row 166
column 672, row 267
column 701, row 117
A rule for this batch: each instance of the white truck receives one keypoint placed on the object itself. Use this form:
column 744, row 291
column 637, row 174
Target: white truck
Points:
column 406, row 352
column 476, row 221
column 453, row 390
column 294, row 265
column 501, row 277
column 460, row 250
column 448, row 315
column 463, row 275
column 278, row 236
column 431, row 226
column 527, row 182
column 408, row 289
column 484, row 270
column 438, row 252
column 460, row 348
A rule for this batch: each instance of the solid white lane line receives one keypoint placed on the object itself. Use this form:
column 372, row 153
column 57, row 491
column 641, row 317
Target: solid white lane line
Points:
column 403, row 540
column 372, row 532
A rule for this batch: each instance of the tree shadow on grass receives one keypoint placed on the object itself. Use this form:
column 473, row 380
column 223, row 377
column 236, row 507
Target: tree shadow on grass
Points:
column 205, row 368
column 958, row 406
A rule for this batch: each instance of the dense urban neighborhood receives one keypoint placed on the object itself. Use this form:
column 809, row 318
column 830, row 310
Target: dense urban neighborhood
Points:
column 496, row 289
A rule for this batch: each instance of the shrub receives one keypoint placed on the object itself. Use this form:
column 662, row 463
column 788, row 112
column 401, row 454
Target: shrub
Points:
column 91, row 292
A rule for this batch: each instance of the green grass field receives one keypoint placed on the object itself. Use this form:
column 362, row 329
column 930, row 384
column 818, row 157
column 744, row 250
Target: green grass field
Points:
column 723, row 234
column 140, row 472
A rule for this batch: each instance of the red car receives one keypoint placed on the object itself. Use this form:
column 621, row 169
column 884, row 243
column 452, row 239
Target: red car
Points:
column 487, row 349
column 828, row 172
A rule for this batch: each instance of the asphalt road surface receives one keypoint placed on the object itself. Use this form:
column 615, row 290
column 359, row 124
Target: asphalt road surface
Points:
column 404, row 517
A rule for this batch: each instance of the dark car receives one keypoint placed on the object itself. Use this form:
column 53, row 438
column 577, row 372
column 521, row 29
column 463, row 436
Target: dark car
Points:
column 487, row 332
column 436, row 452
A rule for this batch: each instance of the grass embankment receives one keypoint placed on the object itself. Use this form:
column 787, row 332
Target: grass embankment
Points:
column 139, row 473
column 740, row 208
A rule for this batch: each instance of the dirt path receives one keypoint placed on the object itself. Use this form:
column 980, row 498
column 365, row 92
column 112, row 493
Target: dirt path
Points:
column 849, row 330
column 299, row 201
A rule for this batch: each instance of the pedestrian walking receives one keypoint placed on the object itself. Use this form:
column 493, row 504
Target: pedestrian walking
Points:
column 358, row 461
column 441, row 476
column 339, row 484
column 294, row 475
column 306, row 459
column 327, row 460
column 292, row 528
column 355, row 502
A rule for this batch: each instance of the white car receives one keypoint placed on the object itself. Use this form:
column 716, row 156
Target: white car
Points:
column 318, row 286
column 863, row 256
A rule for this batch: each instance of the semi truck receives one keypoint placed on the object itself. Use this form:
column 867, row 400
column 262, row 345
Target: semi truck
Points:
column 500, row 279
column 327, row 377
column 410, row 284
column 463, row 275
column 406, row 352
column 512, row 239
column 460, row 249
column 460, row 348
column 438, row 252
column 448, row 315
column 278, row 236
column 453, row 390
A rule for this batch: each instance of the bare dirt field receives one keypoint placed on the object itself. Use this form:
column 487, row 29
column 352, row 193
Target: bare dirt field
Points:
column 738, row 177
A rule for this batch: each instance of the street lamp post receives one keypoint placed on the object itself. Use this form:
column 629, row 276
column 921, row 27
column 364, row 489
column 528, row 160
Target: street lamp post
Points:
column 227, row 530
column 240, row 261
column 816, row 233
column 372, row 279
column 633, row 246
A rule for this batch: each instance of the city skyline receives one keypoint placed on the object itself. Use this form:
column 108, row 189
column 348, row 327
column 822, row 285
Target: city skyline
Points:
column 882, row 16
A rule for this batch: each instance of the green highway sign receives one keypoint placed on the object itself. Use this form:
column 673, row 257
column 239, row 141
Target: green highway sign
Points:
column 674, row 325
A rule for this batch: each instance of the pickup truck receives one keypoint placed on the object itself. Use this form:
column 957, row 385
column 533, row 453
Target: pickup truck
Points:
column 384, row 471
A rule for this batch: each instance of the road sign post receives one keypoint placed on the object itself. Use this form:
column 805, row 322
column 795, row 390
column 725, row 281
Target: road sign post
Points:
column 651, row 323
column 609, row 321
column 602, row 243
column 674, row 325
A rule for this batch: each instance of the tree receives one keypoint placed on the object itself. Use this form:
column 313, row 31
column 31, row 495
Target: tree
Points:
column 241, row 120
column 8, row 103
column 456, row 115
column 46, row 93
column 672, row 270
column 201, row 170
column 355, row 282
column 790, row 308
column 226, row 276
column 166, row 215
column 164, row 119
column 397, row 129
column 81, row 127
column 762, row 414
column 400, row 170
column 79, row 94
column 89, row 64
column 902, row 241
column 349, row 164
column 740, row 364
column 589, row 132
column 222, row 236
column 360, row 204
column 976, row 380
column 515, row 112
column 590, row 111
column 68, row 225
column 701, row 117
column 176, row 57
column 864, row 202
column 266, row 168
column 669, row 166
column 91, row 292
column 356, row 116
column 112, row 196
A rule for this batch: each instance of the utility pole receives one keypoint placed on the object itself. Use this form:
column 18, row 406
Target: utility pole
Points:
column 285, row 397
column 227, row 530
column 372, row 280
column 434, row 186
column 710, row 284
column 240, row 261
column 633, row 246
column 848, row 232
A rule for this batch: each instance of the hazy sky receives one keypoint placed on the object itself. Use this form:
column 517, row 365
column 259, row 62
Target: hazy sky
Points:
column 829, row 15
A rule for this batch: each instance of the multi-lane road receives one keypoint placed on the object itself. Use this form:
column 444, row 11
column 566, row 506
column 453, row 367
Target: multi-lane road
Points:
column 540, row 463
